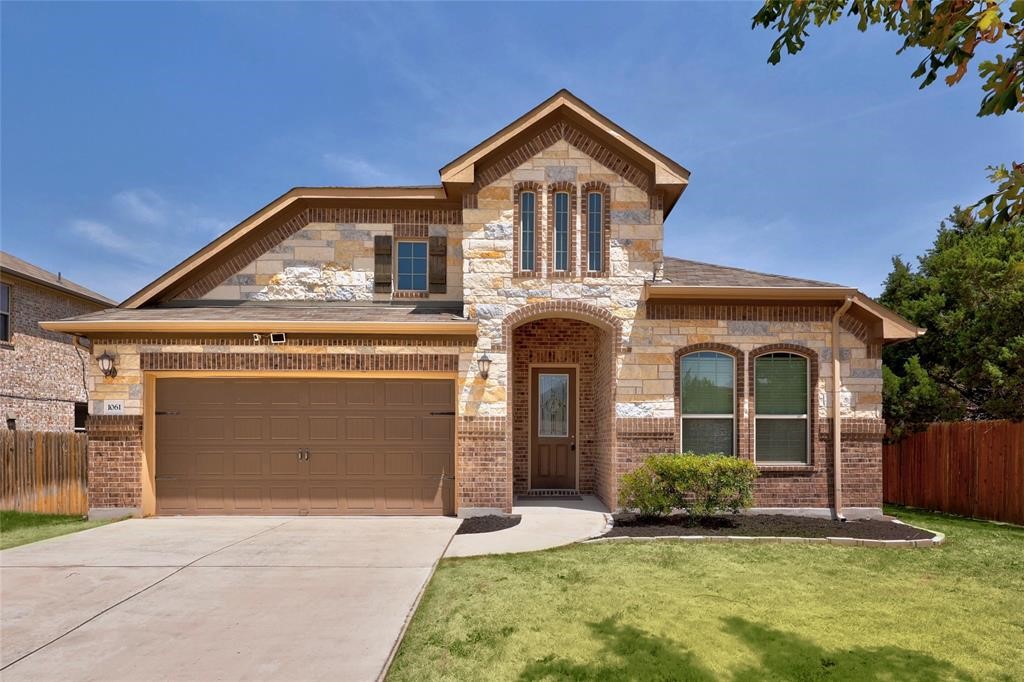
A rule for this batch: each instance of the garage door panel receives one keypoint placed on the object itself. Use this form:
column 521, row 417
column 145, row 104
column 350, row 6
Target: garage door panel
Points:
column 323, row 428
column 374, row 447
column 323, row 464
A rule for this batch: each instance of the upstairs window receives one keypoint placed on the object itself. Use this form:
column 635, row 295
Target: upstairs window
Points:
column 781, row 408
column 412, row 266
column 527, row 231
column 5, row 312
column 707, row 403
column 594, row 231
column 561, row 231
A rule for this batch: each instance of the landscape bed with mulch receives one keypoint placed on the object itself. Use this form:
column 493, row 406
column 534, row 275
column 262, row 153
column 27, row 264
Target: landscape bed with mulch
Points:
column 487, row 524
column 762, row 525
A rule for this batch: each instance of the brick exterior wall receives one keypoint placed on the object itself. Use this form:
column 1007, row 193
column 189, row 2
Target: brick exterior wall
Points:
column 483, row 468
column 115, row 462
column 42, row 374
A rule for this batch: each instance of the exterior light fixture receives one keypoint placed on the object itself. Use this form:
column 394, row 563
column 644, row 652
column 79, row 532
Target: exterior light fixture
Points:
column 106, row 362
column 485, row 365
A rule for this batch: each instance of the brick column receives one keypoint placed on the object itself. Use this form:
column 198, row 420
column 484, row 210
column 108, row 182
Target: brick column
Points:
column 115, row 465
column 484, row 466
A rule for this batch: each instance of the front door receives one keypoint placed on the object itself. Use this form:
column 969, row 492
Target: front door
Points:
column 553, row 428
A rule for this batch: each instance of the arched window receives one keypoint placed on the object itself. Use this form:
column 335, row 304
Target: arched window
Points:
column 707, row 403
column 595, row 231
column 527, row 230
column 781, row 408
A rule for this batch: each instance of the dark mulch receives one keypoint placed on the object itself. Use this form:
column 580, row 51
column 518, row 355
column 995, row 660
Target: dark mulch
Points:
column 764, row 524
column 487, row 524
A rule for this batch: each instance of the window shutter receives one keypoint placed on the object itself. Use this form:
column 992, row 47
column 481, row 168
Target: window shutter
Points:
column 382, row 264
column 438, row 265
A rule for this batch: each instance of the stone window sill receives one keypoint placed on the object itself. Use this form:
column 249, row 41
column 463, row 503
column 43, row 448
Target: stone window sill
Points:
column 786, row 468
column 412, row 294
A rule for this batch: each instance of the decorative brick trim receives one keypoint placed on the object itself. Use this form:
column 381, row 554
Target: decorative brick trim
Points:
column 554, row 188
column 399, row 293
column 816, row 453
column 288, row 226
column 561, row 308
column 740, row 425
column 606, row 227
column 538, row 252
column 113, row 423
column 411, row 231
column 158, row 343
column 488, row 172
column 860, row 429
column 366, row 362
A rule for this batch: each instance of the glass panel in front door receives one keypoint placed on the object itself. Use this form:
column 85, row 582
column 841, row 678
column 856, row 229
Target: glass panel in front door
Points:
column 553, row 407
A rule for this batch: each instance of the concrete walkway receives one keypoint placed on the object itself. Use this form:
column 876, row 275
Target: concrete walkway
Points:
column 215, row 598
column 546, row 523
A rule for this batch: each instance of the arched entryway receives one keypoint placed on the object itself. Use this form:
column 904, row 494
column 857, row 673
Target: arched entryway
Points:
column 562, row 399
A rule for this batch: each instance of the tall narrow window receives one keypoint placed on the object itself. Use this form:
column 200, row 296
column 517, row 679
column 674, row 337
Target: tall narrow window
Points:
column 527, row 218
column 594, row 236
column 412, row 266
column 706, row 403
column 781, row 408
column 561, row 231
column 5, row 312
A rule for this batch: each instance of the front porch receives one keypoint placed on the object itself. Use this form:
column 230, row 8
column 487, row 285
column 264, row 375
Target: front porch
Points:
column 562, row 407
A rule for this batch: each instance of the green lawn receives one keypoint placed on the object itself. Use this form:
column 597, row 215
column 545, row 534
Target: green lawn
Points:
column 21, row 528
column 673, row 611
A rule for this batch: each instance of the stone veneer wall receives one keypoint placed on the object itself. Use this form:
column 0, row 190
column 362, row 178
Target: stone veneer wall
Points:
column 42, row 374
column 333, row 262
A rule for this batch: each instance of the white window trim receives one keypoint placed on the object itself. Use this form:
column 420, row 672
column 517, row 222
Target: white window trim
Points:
column 412, row 241
column 520, row 228
column 731, row 415
column 806, row 416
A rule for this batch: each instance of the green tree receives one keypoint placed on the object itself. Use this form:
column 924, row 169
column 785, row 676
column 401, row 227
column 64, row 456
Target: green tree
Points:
column 951, row 31
column 968, row 292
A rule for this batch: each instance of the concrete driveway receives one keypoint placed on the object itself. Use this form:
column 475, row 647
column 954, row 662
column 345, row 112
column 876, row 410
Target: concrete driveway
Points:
column 215, row 598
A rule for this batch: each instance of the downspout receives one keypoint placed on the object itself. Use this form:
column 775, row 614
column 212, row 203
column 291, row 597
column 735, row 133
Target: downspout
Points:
column 837, row 385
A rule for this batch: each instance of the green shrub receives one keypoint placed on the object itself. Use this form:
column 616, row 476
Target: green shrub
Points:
column 703, row 485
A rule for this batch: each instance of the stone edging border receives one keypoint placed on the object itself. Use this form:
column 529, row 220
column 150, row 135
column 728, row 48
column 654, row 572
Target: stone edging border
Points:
column 939, row 539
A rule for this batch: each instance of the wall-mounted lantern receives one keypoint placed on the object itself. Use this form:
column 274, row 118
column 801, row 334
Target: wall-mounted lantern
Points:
column 106, row 362
column 485, row 365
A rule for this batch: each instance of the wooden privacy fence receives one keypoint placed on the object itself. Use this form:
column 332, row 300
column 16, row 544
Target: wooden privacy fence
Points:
column 44, row 472
column 968, row 468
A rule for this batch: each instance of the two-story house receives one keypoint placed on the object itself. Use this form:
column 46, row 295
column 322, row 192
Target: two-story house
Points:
column 42, row 373
column 441, row 349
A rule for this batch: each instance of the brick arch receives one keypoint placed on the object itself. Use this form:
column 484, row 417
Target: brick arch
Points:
column 572, row 309
column 606, row 226
column 739, row 391
column 815, row 451
column 570, row 256
column 538, row 251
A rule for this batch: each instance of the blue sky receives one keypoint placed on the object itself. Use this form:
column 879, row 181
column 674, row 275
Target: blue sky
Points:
column 132, row 134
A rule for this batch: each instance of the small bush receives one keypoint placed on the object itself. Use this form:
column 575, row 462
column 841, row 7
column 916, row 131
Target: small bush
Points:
column 703, row 485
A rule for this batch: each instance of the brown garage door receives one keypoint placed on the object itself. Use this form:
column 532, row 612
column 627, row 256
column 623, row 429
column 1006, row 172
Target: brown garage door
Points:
column 305, row 446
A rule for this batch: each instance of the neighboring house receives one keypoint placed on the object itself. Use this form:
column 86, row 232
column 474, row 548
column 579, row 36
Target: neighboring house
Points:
column 438, row 349
column 42, row 373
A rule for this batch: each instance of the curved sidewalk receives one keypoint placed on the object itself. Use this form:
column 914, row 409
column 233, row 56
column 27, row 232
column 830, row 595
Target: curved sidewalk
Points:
column 546, row 522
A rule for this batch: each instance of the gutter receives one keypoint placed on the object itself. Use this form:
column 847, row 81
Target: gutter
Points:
column 837, row 385
column 84, row 327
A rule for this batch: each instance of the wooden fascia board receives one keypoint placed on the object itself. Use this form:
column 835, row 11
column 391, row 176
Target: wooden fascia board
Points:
column 86, row 327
